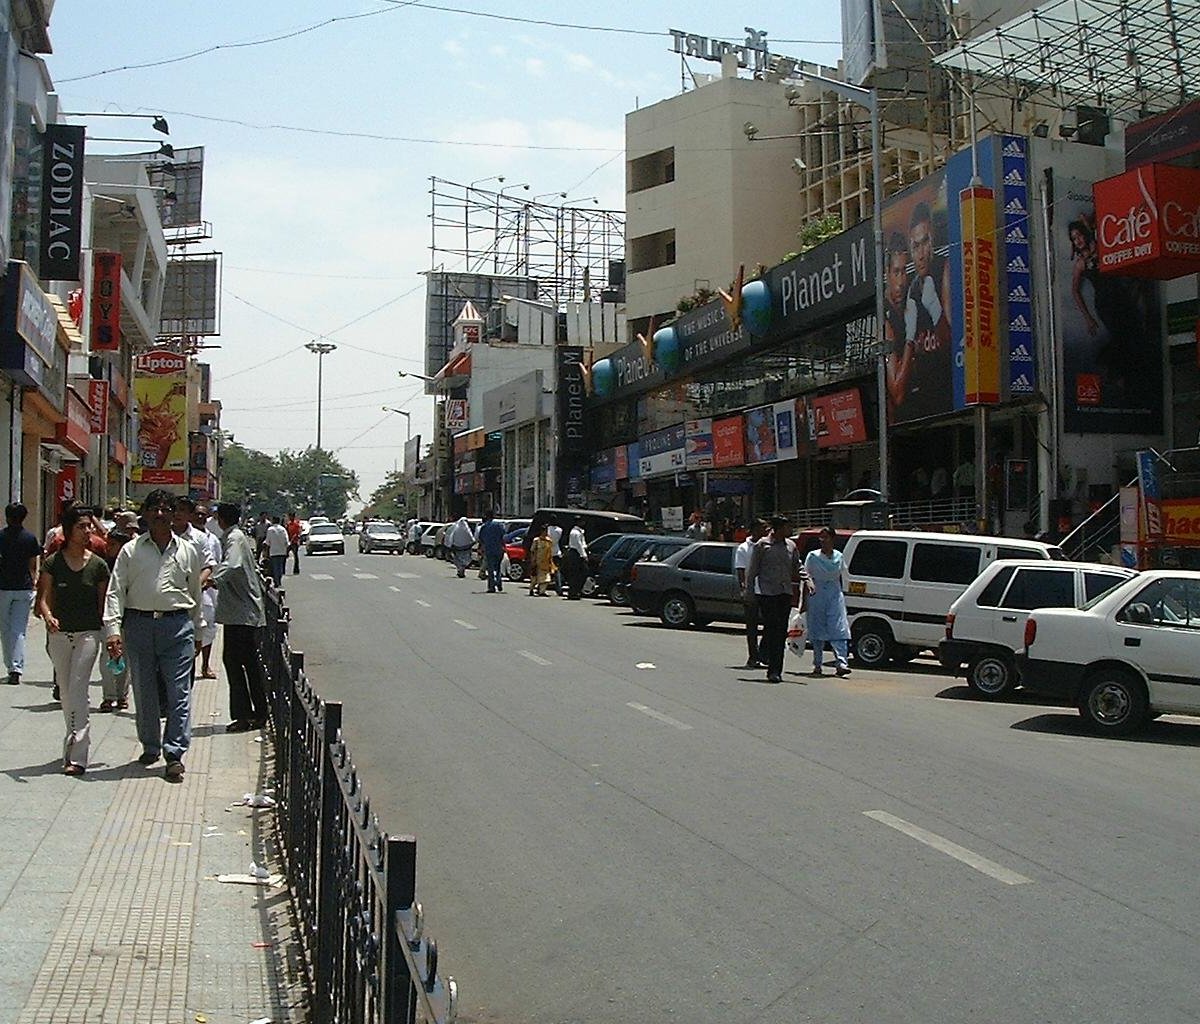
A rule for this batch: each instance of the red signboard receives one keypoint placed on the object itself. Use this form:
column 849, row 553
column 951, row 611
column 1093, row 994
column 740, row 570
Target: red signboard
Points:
column 98, row 400
column 1148, row 222
column 66, row 487
column 621, row 462
column 729, row 442
column 838, row 418
column 75, row 432
column 106, row 301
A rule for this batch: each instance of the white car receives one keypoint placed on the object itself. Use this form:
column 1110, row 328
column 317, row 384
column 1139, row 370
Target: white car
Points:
column 1123, row 658
column 986, row 626
column 325, row 537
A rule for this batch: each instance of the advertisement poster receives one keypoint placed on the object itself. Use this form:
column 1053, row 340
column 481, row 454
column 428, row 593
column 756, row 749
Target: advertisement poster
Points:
column 1016, row 260
column 760, row 435
column 837, row 419
column 729, row 442
column 785, row 431
column 1112, row 365
column 981, row 321
column 160, row 390
column 698, row 453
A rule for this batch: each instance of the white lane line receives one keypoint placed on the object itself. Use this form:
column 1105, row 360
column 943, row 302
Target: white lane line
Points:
column 320, row 576
column 533, row 657
column 675, row 723
column 465, row 625
column 407, row 576
column 394, row 590
column 942, row 845
column 423, row 604
column 365, row 576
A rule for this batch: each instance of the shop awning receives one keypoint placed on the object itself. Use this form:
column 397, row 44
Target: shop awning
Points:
column 455, row 373
column 1137, row 56
column 66, row 326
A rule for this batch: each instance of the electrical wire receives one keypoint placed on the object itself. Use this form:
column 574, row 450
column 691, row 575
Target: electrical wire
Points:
column 301, row 273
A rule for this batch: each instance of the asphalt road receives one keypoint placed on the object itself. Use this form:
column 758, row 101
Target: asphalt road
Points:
column 603, row 842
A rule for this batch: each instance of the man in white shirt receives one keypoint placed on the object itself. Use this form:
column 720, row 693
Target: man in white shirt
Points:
column 152, row 613
column 277, row 548
column 554, row 534
column 575, row 563
column 741, row 562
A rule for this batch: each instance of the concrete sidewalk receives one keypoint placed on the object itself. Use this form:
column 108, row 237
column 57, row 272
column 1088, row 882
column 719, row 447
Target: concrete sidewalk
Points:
column 110, row 909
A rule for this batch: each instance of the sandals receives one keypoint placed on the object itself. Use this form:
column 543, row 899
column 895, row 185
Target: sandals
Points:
column 107, row 706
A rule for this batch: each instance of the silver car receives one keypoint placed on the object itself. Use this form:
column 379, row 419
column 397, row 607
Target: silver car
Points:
column 694, row 586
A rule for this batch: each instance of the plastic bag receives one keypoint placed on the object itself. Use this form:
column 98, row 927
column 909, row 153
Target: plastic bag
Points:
column 797, row 632
column 505, row 565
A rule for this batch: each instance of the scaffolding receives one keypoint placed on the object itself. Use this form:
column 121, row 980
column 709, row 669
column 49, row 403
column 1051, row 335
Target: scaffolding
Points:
column 574, row 251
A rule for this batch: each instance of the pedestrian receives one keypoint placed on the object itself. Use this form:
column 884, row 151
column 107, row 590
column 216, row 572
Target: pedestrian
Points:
column 541, row 561
column 20, row 554
column 210, row 555
column 260, row 534
column 575, row 563
column 294, row 530
column 827, row 604
column 774, row 567
column 491, row 543
column 697, row 528
column 71, row 592
column 114, row 686
column 152, row 613
column 238, row 589
column 460, row 539
column 554, row 533
column 741, row 563
column 277, row 550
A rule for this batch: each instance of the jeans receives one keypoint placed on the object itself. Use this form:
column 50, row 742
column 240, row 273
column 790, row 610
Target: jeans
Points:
column 278, row 565
column 841, row 649
column 492, row 564
column 294, row 550
column 15, row 606
column 247, row 690
column 774, row 610
column 162, row 650
column 73, row 655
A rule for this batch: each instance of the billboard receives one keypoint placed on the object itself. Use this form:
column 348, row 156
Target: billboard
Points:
column 1109, row 328
column 729, row 442
column 837, row 419
column 698, row 451
column 862, row 40
column 160, row 391
column 182, row 177
column 62, row 202
column 771, row 433
column 190, row 295
column 445, row 295
column 1148, row 222
column 958, row 325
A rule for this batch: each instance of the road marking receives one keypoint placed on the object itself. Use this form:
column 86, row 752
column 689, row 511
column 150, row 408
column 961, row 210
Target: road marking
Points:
column 365, row 576
column 533, row 657
column 465, row 625
column 407, row 576
column 320, row 576
column 423, row 604
column 675, row 723
column 942, row 845
column 394, row 590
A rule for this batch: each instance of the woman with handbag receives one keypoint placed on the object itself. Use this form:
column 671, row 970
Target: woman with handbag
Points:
column 826, row 612
column 71, row 593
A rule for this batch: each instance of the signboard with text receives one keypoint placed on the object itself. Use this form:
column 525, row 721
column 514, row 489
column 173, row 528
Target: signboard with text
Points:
column 837, row 419
column 1148, row 222
column 160, row 391
column 106, row 301
column 62, row 202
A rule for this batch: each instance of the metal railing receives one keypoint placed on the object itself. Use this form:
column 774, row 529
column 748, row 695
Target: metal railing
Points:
column 353, row 885
column 1097, row 534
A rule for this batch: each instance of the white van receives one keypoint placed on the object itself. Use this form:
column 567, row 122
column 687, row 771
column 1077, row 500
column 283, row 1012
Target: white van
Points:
column 900, row 586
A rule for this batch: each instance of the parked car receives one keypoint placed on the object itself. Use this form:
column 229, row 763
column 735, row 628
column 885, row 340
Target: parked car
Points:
column 413, row 547
column 518, row 561
column 1124, row 657
column 305, row 529
column 428, row 544
column 694, row 586
column 651, row 551
column 986, row 625
column 595, row 524
column 380, row 537
column 613, row 559
column 900, row 586
column 325, row 537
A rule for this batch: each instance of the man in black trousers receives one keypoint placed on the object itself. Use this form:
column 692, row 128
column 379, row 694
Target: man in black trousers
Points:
column 775, row 566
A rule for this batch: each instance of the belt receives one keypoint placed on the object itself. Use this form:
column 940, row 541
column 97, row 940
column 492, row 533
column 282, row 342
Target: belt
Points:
column 158, row 615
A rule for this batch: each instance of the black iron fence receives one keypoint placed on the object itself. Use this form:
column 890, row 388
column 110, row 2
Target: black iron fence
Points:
column 353, row 884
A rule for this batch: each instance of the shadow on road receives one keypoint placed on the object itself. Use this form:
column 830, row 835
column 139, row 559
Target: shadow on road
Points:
column 1178, row 734
column 1017, row 697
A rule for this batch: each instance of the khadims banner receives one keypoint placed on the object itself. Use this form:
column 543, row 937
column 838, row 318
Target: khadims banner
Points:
column 160, row 389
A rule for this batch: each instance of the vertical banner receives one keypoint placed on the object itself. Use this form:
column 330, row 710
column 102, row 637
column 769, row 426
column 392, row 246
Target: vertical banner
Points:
column 1151, row 495
column 62, row 202
column 729, row 442
column 160, row 390
column 106, row 301
column 981, row 326
column 98, row 401
column 66, row 487
column 1022, row 370
column 570, row 392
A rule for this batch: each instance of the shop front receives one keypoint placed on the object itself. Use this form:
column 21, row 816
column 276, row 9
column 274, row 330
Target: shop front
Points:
column 476, row 473
column 517, row 418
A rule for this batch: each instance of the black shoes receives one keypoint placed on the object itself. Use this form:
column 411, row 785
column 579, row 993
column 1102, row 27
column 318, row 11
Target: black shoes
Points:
column 174, row 771
column 147, row 758
column 240, row 725
column 14, row 679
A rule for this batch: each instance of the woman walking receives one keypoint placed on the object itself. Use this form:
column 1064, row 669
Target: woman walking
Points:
column 541, row 560
column 71, row 593
column 827, row 604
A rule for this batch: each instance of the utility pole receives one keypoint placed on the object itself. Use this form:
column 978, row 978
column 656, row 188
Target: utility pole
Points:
column 322, row 349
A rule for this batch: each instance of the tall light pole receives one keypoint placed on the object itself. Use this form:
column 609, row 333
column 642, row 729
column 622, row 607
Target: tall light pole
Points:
column 407, row 419
column 496, row 229
column 322, row 349
column 438, row 442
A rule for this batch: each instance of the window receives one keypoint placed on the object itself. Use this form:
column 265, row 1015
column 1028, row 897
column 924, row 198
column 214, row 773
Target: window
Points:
column 650, row 170
column 1095, row 584
column 1172, row 602
column 649, row 251
column 1022, row 553
column 709, row 559
column 1038, row 588
column 881, row 558
column 990, row 596
column 945, row 563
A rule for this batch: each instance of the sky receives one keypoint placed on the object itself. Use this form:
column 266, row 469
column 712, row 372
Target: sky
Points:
column 325, row 235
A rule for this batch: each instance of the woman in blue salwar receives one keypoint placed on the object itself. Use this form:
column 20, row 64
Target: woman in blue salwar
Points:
column 827, row 605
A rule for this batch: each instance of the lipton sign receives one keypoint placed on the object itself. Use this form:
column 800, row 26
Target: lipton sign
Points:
column 1148, row 222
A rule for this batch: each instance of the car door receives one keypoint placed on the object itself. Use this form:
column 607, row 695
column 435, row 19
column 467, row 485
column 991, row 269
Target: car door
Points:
column 700, row 582
column 1032, row 587
column 1165, row 643
column 938, row 575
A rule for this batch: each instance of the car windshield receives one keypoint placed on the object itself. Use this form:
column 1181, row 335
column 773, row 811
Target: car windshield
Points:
column 383, row 529
column 322, row 528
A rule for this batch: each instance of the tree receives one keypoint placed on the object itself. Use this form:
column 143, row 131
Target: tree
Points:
column 384, row 502
column 310, row 481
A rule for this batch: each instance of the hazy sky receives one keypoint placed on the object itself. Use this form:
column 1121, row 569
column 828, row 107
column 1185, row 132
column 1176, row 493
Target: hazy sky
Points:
column 318, row 230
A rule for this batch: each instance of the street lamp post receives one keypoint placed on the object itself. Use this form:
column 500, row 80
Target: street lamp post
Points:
column 438, row 441
column 321, row 349
column 407, row 419
column 496, row 229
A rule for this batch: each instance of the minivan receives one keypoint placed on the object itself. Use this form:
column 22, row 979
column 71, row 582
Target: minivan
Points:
column 900, row 586
column 595, row 524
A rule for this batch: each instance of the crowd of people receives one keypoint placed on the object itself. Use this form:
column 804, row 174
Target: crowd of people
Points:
column 149, row 592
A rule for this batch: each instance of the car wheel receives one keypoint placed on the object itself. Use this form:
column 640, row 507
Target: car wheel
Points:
column 677, row 610
column 429, row 552
column 1114, row 703
column 872, row 643
column 618, row 594
column 992, row 675
column 516, row 571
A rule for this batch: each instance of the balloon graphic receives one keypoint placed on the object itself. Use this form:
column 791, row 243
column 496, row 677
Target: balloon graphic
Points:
column 602, row 377
column 756, row 307
column 666, row 350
